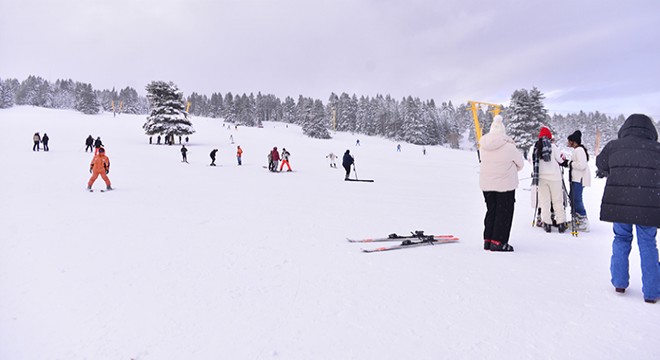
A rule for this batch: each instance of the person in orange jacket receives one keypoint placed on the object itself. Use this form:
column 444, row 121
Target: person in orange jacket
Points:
column 100, row 165
column 239, row 155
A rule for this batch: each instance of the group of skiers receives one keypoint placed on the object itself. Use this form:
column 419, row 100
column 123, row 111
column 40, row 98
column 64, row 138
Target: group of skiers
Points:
column 631, row 198
column 40, row 140
column 274, row 159
column 91, row 144
column 169, row 139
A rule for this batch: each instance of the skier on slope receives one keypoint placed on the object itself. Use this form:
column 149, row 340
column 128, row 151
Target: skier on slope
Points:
column 347, row 162
column 498, row 178
column 184, row 152
column 97, row 145
column 546, row 157
column 89, row 143
column 631, row 164
column 44, row 140
column 580, row 177
column 100, row 165
column 37, row 139
column 285, row 159
column 213, row 152
column 332, row 158
column 274, row 158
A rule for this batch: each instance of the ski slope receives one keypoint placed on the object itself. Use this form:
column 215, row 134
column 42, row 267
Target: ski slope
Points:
column 188, row 261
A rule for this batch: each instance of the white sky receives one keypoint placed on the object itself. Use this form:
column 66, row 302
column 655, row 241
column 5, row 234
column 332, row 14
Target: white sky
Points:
column 583, row 54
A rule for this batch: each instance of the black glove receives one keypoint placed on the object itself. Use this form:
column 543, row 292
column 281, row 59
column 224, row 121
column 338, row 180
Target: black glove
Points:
column 107, row 171
column 90, row 170
column 564, row 164
column 601, row 174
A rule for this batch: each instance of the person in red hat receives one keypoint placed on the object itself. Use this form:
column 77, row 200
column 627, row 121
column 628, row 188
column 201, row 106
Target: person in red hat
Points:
column 100, row 165
column 546, row 176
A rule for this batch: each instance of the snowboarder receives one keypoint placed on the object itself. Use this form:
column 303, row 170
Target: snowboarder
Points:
column 212, row 156
column 631, row 164
column 498, row 178
column 44, row 140
column 332, row 158
column 546, row 158
column 89, row 143
column 274, row 158
column 97, row 145
column 580, row 177
column 347, row 162
column 184, row 152
column 37, row 139
column 100, row 165
column 239, row 155
column 285, row 159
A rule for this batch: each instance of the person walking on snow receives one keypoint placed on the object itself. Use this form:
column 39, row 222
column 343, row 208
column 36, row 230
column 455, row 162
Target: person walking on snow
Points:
column 580, row 176
column 44, row 140
column 213, row 152
column 498, row 178
column 97, row 145
column 398, row 148
column 631, row 164
column 274, row 158
column 89, row 143
column 332, row 158
column 347, row 162
column 37, row 139
column 285, row 160
column 546, row 175
column 239, row 155
column 100, row 165
column 184, row 152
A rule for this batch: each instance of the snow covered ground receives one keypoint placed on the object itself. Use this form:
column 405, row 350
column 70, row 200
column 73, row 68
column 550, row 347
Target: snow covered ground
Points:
column 188, row 261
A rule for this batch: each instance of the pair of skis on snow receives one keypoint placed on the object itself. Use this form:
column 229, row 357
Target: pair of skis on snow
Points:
column 416, row 239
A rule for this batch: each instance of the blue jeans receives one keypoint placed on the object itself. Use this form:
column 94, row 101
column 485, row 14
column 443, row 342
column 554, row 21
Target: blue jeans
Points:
column 576, row 190
column 648, row 252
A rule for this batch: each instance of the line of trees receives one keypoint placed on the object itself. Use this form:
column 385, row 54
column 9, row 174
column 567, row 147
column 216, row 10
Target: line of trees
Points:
column 409, row 119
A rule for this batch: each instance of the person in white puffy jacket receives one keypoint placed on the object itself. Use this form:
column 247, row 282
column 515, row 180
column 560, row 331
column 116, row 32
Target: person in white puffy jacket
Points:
column 498, row 179
column 580, row 175
column 546, row 159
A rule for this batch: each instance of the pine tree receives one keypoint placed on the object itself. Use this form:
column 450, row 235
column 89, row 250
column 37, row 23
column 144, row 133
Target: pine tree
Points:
column 526, row 115
column 168, row 115
column 86, row 101
column 6, row 94
column 129, row 101
column 316, row 123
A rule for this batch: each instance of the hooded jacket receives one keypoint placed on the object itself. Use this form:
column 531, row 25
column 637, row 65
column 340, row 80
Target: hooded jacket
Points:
column 500, row 162
column 632, row 166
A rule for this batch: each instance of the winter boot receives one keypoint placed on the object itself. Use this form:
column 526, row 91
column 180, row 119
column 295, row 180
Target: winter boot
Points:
column 108, row 188
column 582, row 223
column 486, row 244
column 500, row 246
column 562, row 228
column 650, row 301
column 89, row 188
column 547, row 227
column 620, row 290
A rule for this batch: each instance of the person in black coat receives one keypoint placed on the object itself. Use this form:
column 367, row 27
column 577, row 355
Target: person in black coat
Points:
column 89, row 142
column 213, row 156
column 184, row 154
column 44, row 140
column 97, row 144
column 347, row 161
column 631, row 164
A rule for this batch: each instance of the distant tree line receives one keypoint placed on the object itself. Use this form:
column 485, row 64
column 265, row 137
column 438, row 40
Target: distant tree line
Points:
column 409, row 119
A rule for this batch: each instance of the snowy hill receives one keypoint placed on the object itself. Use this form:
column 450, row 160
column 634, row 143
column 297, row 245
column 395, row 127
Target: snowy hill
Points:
column 188, row 261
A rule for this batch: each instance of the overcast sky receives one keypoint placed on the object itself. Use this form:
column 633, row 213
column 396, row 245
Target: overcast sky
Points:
column 592, row 55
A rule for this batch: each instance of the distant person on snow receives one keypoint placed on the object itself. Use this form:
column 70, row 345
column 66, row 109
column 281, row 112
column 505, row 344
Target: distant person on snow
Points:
column 274, row 158
column 44, row 140
column 285, row 160
column 37, row 139
column 270, row 161
column 239, row 155
column 212, row 156
column 158, row 140
column 347, row 162
column 357, row 142
column 184, row 152
column 100, row 165
column 398, row 148
column 332, row 158
column 97, row 145
column 498, row 179
column 631, row 164
column 89, row 143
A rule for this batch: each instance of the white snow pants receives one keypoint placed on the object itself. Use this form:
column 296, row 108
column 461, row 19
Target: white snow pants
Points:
column 550, row 193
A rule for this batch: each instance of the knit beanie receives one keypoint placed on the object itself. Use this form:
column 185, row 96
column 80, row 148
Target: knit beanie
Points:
column 497, row 127
column 545, row 132
column 576, row 137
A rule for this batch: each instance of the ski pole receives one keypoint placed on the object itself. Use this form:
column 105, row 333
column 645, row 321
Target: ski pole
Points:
column 355, row 171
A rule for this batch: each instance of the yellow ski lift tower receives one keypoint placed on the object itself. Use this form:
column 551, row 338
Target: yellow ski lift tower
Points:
column 475, row 105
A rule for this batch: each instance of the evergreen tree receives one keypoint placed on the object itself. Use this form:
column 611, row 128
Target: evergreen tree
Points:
column 168, row 115
column 289, row 110
column 526, row 115
column 64, row 96
column 6, row 94
column 129, row 101
column 229, row 112
column 86, row 101
column 316, row 123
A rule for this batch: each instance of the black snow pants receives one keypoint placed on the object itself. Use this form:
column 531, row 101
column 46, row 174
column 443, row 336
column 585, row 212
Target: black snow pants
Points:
column 499, row 215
